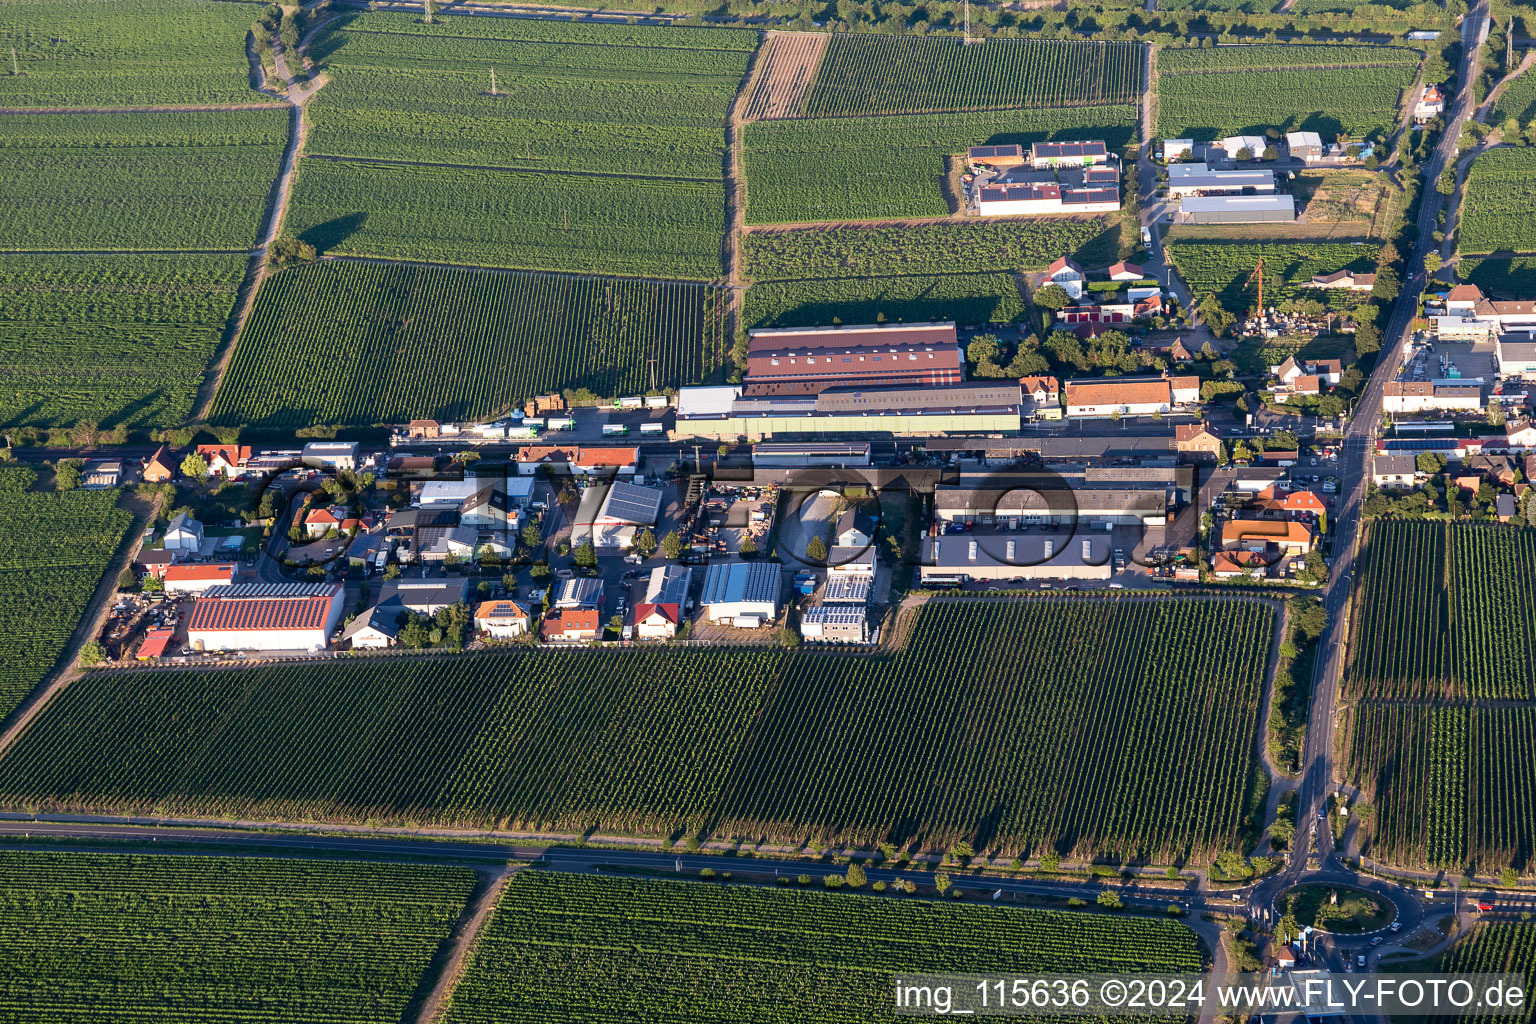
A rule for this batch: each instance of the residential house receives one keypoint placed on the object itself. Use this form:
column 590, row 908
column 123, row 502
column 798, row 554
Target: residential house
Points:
column 1400, row 396
column 154, row 561
column 1463, row 299
column 318, row 522
column 1122, row 396
column 1304, row 146
column 1346, row 279
column 1226, row 565
column 1291, row 537
column 226, row 460
column 601, row 461
column 1150, row 306
column 1305, row 385
column 1123, row 271
column 855, row 527
column 1042, row 397
column 1505, row 507
column 377, row 627
column 425, row 595
column 266, row 617
column 183, row 580
column 184, row 534
column 1519, row 435
column 741, row 593
column 1068, row 275
column 851, row 561
column 1197, row 440
column 571, row 625
column 1430, row 104
column 1393, row 472
column 424, row 430
column 502, row 619
column 458, row 542
column 1497, row 469
column 1184, row 390
column 159, row 467
column 660, row 613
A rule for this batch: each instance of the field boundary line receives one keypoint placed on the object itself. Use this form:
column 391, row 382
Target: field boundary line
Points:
column 124, row 252
column 65, row 670
column 1106, row 104
column 1280, row 67
column 545, row 42
column 736, row 195
column 389, row 261
column 208, row 108
column 385, row 162
column 460, row 944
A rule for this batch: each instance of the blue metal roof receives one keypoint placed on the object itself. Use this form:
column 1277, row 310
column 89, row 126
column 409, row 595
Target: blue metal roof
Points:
column 731, row 582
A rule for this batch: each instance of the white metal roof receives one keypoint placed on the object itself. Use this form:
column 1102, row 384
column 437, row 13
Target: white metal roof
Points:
column 1208, row 204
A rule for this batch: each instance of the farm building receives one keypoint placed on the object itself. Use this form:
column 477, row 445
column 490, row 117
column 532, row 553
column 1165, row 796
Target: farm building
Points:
column 266, row 617
column 611, row 517
column 659, row 614
column 502, row 619
column 1025, row 557
column 741, row 593
column 565, row 459
column 1199, row 179
column 330, row 454
column 1034, row 198
column 1290, row 536
column 975, row 408
column 426, row 596
column 580, row 592
column 1177, row 149
column 1139, row 397
column 1515, row 356
column 1123, row 271
column 1304, row 146
column 1232, row 145
column 1238, row 209
column 1043, row 155
column 811, row 453
column 182, row 580
column 847, row 589
column 835, row 623
column 995, row 156
column 155, row 643
column 102, row 474
column 1050, row 501
column 808, row 360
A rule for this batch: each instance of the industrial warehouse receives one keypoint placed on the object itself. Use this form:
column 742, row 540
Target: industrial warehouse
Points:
column 1054, row 178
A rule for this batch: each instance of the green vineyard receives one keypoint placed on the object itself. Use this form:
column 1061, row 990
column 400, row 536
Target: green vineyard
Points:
column 1208, row 94
column 84, row 53
column 341, row 342
column 1123, row 728
column 110, row 338
column 242, row 940
column 882, row 74
column 1497, row 214
column 565, row 949
column 963, row 298
column 1224, row 267
column 54, row 548
column 1495, row 948
column 1442, row 611
column 822, row 170
column 1451, row 785
column 181, row 181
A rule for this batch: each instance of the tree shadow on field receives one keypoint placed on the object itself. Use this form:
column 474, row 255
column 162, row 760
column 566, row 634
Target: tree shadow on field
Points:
column 331, row 233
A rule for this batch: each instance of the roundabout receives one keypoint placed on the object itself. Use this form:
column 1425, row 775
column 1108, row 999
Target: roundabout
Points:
column 1336, row 908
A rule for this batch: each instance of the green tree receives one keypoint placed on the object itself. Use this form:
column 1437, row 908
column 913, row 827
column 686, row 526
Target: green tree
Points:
column 194, row 466
column 585, row 555
column 855, row 876
column 532, row 535
column 671, row 544
column 1052, row 297
column 1214, row 314
column 748, row 547
column 1508, row 878
column 92, row 653
column 66, row 475
column 1111, row 899
column 816, row 550
column 1429, row 463
column 941, row 882
column 645, row 543
column 289, row 252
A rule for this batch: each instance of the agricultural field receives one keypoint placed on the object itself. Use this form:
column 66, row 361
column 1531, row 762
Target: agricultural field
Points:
column 569, row 948
column 526, row 220
column 1498, row 211
column 1439, row 612
column 964, row 298
column 1120, row 728
column 338, row 342
column 1346, row 204
column 1518, row 101
column 1206, row 94
column 884, row 74
column 822, row 170
column 569, row 97
column 109, row 338
column 1495, row 948
column 54, row 548
column 1450, row 785
column 960, row 247
column 128, row 938
column 1223, row 267
column 85, row 53
column 1511, row 278
column 180, row 181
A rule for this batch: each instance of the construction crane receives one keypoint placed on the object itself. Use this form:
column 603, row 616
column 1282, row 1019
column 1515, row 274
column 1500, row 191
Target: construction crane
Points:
column 1258, row 272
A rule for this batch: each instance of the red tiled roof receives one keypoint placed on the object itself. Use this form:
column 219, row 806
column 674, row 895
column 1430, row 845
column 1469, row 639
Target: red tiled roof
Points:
column 1062, row 263
column 1144, row 392
column 1464, row 293
column 669, row 611
column 811, row 341
column 199, row 573
column 1185, row 432
column 570, row 620
column 1048, row 384
column 234, row 454
column 500, row 610
column 262, row 614
column 155, row 643
column 1123, row 268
